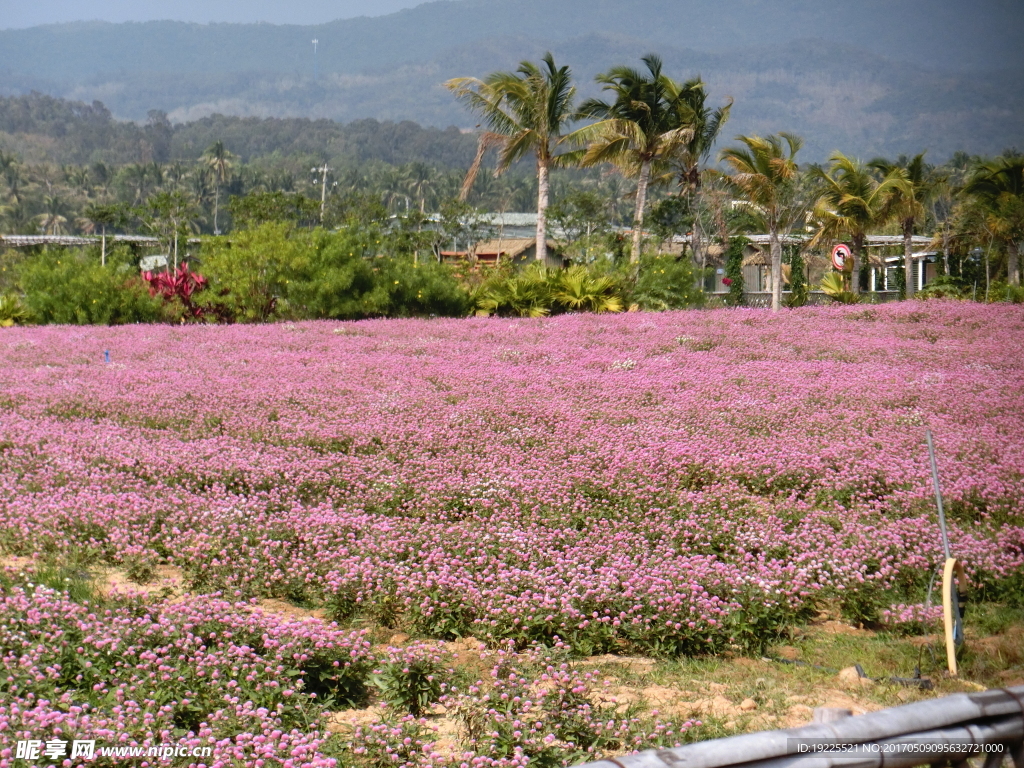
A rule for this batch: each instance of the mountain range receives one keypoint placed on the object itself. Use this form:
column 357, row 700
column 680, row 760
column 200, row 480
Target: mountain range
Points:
column 865, row 76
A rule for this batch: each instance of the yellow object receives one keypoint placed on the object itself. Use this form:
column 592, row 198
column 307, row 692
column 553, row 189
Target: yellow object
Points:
column 954, row 580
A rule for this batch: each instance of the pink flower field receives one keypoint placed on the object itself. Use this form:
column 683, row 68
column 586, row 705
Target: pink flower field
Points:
column 661, row 484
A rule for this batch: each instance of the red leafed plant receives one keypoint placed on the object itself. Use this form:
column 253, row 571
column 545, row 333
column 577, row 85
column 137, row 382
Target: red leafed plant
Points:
column 180, row 285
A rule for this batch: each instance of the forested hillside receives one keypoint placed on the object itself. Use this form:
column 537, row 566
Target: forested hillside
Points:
column 937, row 34
column 871, row 77
column 41, row 128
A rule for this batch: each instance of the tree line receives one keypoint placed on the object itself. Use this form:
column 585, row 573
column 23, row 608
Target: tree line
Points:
column 657, row 130
column 643, row 159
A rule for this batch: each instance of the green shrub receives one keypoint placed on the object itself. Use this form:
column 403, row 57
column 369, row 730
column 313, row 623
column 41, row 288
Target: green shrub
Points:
column 71, row 288
column 944, row 287
column 413, row 678
column 998, row 291
column 797, row 281
column 275, row 271
column 423, row 288
column 12, row 311
column 249, row 272
column 526, row 294
column 334, row 276
column 734, row 271
column 665, row 282
column 578, row 289
column 833, row 286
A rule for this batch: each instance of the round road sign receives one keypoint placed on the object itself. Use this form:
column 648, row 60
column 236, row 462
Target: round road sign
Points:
column 840, row 254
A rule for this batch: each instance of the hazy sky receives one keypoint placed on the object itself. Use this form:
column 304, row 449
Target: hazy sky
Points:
column 28, row 13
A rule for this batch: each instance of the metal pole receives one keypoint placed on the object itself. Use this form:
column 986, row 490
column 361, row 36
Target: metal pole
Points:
column 988, row 279
column 938, row 494
column 323, row 189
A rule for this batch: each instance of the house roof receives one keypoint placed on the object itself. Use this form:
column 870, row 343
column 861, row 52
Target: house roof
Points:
column 21, row 241
column 871, row 241
column 756, row 257
column 509, row 246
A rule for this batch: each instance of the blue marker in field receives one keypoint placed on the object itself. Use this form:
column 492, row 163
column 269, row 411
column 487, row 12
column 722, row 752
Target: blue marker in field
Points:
column 106, row 356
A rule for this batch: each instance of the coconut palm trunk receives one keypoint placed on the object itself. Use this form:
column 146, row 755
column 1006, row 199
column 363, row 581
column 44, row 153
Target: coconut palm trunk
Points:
column 542, row 211
column 908, row 255
column 1013, row 263
column 638, row 215
column 216, row 209
column 858, row 259
column 775, row 248
column 697, row 243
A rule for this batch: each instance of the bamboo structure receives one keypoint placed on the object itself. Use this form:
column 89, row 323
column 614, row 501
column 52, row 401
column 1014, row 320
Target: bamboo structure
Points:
column 954, row 580
column 937, row 732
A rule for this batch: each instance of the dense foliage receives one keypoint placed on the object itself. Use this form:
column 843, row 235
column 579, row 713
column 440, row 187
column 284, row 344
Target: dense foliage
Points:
column 72, row 288
column 389, row 225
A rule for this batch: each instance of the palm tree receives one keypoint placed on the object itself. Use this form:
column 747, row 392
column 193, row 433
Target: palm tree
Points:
column 999, row 186
column 52, row 218
column 219, row 160
column 852, row 203
column 907, row 201
column 419, row 180
column 11, row 170
column 176, row 174
column 577, row 290
column 692, row 110
column 636, row 130
column 103, row 216
column 767, row 176
column 199, row 183
column 136, row 176
column 101, row 176
column 78, row 177
column 388, row 185
column 526, row 112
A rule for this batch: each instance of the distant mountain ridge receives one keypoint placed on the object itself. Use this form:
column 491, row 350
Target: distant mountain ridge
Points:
column 872, row 77
column 938, row 34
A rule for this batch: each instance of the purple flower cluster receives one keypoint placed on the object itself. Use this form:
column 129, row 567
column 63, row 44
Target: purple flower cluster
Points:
column 535, row 708
column 202, row 672
column 509, row 479
column 912, row 619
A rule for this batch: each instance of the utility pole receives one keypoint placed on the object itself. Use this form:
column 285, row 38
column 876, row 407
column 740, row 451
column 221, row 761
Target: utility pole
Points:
column 323, row 188
column 315, row 43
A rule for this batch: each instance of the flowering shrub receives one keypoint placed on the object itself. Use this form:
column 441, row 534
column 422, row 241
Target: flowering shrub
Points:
column 178, row 287
column 412, row 678
column 537, row 709
column 914, row 619
column 402, row 742
column 197, row 671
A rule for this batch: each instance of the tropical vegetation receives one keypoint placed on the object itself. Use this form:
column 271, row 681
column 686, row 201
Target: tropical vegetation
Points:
column 621, row 185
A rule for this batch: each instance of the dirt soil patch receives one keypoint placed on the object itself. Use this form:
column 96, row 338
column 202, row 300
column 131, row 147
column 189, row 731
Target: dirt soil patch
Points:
column 166, row 583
